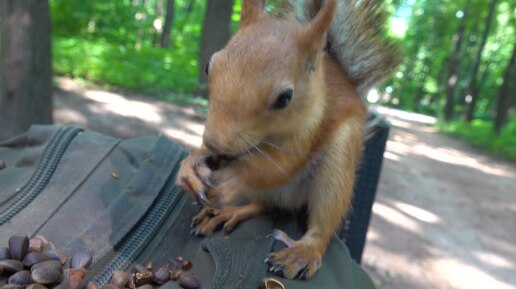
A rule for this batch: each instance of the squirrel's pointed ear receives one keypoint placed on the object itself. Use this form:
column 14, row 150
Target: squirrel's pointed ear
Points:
column 251, row 11
column 314, row 33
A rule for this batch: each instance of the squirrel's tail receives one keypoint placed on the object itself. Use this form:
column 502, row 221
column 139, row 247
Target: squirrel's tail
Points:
column 355, row 40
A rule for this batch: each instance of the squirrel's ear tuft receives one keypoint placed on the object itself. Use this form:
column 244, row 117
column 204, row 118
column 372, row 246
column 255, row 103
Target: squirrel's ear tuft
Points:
column 251, row 11
column 314, row 33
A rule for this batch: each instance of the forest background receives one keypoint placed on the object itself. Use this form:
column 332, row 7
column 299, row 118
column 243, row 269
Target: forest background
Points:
column 458, row 55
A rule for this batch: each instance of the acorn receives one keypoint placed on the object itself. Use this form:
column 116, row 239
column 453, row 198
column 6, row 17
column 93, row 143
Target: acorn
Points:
column 18, row 246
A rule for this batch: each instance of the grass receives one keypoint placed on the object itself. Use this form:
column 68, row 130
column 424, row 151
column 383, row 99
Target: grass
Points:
column 480, row 134
column 149, row 70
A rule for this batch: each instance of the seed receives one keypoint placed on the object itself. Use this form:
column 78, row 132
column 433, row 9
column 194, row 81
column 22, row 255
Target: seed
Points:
column 48, row 265
column 179, row 259
column 79, row 273
column 18, row 246
column 271, row 283
column 4, row 253
column 47, row 245
column 162, row 275
column 74, row 277
column 32, row 258
column 120, row 278
column 2, row 165
column 92, row 285
column 75, row 282
column 35, row 245
column 148, row 265
column 46, row 275
column 11, row 266
column 143, row 278
column 35, row 286
column 114, row 175
column 20, row 278
column 186, row 265
column 56, row 255
column 174, row 275
column 187, row 280
column 138, row 268
column 81, row 260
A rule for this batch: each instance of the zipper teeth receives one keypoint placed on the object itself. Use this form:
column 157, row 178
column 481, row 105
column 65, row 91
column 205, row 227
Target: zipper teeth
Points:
column 44, row 172
column 132, row 247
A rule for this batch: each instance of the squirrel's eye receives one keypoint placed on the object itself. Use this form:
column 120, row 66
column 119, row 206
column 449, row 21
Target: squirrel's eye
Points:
column 206, row 68
column 283, row 99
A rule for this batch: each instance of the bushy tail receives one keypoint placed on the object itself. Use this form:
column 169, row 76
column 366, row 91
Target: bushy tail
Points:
column 356, row 40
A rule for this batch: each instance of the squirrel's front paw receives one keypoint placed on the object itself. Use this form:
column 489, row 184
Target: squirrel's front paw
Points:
column 195, row 176
column 298, row 261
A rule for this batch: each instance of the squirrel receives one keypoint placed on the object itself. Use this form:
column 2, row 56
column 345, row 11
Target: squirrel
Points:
column 286, row 122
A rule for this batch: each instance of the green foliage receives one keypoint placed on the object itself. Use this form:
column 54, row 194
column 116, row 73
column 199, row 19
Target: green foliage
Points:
column 480, row 134
column 149, row 70
column 428, row 46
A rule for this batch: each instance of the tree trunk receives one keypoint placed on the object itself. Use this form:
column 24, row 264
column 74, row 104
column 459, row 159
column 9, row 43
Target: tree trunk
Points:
column 215, row 33
column 472, row 87
column 453, row 76
column 167, row 28
column 503, row 103
column 25, row 68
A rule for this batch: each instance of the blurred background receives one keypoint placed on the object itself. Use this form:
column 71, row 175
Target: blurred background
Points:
column 445, row 215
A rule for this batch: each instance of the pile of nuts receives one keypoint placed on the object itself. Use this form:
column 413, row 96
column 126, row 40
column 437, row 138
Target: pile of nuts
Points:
column 37, row 264
column 144, row 277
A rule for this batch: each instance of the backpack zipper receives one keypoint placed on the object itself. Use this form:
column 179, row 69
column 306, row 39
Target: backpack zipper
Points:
column 128, row 250
column 43, row 173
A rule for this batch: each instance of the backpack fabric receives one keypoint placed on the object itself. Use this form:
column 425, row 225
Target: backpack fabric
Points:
column 117, row 200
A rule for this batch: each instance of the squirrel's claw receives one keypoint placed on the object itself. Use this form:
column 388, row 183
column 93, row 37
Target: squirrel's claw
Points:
column 279, row 235
column 200, row 197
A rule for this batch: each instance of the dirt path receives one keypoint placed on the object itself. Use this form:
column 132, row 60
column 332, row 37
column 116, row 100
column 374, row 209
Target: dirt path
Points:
column 445, row 215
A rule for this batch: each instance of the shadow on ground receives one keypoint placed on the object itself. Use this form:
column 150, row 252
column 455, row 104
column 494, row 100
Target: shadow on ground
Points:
column 125, row 116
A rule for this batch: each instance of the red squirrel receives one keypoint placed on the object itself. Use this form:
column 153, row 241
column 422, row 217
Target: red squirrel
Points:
column 286, row 122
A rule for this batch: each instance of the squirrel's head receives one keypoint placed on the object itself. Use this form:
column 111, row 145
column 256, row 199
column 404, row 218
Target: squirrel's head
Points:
column 267, row 83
